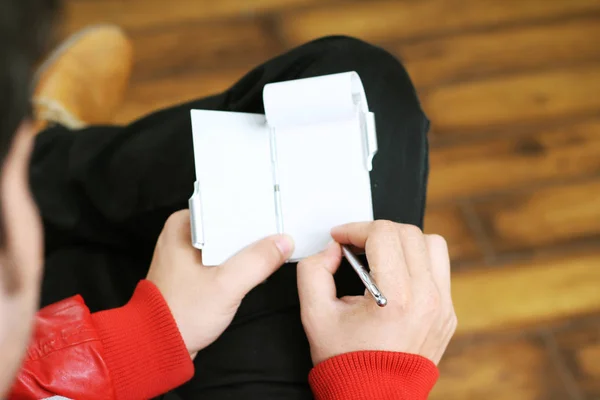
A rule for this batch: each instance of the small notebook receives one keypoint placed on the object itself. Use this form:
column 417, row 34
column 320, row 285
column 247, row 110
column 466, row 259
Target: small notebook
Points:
column 300, row 169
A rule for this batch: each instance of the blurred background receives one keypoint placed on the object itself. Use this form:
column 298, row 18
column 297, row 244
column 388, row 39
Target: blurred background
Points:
column 513, row 91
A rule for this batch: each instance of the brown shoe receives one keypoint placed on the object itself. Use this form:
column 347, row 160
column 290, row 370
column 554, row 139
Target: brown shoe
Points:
column 84, row 79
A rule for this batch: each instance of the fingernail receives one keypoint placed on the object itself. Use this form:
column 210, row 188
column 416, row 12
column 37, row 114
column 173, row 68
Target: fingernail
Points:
column 285, row 244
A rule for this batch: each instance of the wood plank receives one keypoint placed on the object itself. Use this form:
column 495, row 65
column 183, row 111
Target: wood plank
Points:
column 153, row 95
column 506, row 101
column 525, row 294
column 387, row 20
column 473, row 55
column 188, row 47
column 544, row 217
column 449, row 222
column 507, row 370
column 140, row 14
column 580, row 348
column 472, row 168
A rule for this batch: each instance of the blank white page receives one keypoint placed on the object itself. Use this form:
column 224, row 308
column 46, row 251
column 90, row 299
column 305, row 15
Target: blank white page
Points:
column 323, row 181
column 233, row 166
column 313, row 100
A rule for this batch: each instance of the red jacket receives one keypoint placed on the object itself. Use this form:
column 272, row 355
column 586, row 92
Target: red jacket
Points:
column 136, row 352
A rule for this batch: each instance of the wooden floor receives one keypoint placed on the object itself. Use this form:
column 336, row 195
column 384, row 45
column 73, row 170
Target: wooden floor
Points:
column 513, row 91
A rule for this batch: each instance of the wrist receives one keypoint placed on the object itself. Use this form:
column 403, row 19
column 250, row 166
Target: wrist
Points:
column 373, row 374
column 143, row 348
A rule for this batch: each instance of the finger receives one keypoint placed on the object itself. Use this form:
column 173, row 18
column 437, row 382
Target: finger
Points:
column 383, row 248
column 252, row 265
column 355, row 233
column 415, row 252
column 316, row 286
column 440, row 264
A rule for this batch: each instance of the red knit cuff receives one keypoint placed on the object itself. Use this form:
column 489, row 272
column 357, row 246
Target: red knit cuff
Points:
column 143, row 348
column 380, row 375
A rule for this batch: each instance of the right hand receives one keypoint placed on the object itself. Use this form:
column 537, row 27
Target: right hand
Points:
column 204, row 300
column 411, row 269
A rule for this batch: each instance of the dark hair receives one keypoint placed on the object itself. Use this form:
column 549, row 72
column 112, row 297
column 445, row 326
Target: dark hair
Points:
column 25, row 34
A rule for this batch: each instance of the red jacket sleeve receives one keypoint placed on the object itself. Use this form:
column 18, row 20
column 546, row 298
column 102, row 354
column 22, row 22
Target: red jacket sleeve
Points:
column 136, row 352
column 132, row 352
column 381, row 375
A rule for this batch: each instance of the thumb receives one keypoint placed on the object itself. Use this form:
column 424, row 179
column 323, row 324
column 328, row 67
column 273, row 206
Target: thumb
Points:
column 177, row 227
column 316, row 285
column 252, row 265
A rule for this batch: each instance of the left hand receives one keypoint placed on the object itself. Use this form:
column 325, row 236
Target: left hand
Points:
column 203, row 299
column 21, row 256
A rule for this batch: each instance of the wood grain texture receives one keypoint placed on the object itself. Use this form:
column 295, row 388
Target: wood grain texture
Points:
column 476, row 55
column 196, row 47
column 143, row 14
column 522, row 99
column 506, row 370
column 148, row 96
column 498, row 164
column 547, row 216
column 449, row 222
column 580, row 348
column 526, row 294
column 392, row 20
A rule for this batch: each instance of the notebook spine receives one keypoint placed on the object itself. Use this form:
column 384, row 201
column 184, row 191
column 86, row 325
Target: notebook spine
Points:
column 275, row 172
column 367, row 120
column 196, row 217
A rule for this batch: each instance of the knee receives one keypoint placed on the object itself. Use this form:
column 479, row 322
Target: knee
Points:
column 342, row 41
column 347, row 48
column 383, row 76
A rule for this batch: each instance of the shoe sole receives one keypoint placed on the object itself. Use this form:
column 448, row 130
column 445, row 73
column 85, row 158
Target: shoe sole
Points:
column 66, row 45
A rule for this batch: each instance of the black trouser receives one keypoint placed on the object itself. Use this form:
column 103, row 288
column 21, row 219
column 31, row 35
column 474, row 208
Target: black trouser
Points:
column 106, row 191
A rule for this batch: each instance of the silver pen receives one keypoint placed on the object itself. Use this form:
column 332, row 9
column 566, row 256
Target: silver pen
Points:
column 364, row 276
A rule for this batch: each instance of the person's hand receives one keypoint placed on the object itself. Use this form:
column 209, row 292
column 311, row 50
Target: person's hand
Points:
column 203, row 299
column 21, row 256
column 411, row 269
